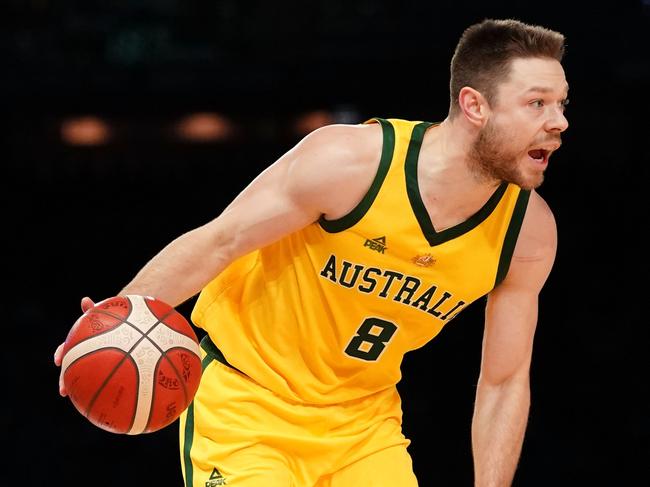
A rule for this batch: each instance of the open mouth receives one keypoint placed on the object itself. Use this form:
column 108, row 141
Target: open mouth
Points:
column 539, row 155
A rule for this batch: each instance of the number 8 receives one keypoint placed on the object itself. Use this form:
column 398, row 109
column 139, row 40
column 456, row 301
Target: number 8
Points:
column 377, row 341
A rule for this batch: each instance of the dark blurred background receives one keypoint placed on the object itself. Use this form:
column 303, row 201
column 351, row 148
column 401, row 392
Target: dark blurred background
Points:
column 128, row 123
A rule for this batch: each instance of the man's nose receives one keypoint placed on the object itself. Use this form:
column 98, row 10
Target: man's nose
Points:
column 557, row 122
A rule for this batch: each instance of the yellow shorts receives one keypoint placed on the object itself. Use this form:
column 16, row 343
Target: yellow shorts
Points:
column 240, row 434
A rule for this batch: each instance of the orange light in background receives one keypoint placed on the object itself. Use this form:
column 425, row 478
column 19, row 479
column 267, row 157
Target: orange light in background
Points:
column 311, row 121
column 204, row 127
column 85, row 131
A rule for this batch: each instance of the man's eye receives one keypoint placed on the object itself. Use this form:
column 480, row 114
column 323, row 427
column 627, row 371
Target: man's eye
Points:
column 537, row 103
column 564, row 103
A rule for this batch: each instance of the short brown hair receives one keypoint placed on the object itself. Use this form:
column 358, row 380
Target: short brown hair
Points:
column 485, row 50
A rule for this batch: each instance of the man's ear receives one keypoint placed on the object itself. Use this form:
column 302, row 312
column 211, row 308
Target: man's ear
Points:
column 474, row 106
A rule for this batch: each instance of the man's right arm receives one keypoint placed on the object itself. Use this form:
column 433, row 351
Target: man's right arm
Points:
column 326, row 173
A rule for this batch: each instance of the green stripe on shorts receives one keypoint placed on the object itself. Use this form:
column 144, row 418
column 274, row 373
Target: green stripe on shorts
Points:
column 189, row 433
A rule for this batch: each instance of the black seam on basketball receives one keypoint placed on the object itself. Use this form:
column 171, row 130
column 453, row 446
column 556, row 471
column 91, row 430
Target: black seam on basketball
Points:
column 127, row 354
column 107, row 379
column 164, row 352
column 137, row 393
column 158, row 319
column 126, row 322
column 99, row 311
column 144, row 333
column 162, row 318
column 163, row 355
column 92, row 352
column 122, row 321
column 137, row 371
column 94, row 309
column 125, row 319
column 152, row 327
column 153, row 395
column 180, row 377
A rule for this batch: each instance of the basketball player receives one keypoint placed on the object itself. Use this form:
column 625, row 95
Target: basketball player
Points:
column 356, row 246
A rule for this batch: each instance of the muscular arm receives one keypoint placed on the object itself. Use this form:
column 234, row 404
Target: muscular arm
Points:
column 503, row 393
column 326, row 174
column 290, row 194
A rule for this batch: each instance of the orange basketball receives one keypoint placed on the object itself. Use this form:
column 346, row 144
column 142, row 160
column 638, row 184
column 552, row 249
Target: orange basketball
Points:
column 131, row 364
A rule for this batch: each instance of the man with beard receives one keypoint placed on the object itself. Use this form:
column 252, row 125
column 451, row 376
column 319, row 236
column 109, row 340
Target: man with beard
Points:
column 356, row 246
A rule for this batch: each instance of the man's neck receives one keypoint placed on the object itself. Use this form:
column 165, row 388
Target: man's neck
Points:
column 450, row 190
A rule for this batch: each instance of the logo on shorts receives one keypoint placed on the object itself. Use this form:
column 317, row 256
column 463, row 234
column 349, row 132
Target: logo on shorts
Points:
column 215, row 478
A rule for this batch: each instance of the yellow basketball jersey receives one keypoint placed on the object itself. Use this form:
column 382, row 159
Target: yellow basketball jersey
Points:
column 326, row 314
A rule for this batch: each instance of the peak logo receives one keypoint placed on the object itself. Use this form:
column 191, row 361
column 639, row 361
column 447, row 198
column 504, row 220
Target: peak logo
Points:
column 216, row 479
column 377, row 244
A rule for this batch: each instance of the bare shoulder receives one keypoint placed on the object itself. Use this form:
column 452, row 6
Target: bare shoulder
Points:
column 536, row 246
column 345, row 130
column 355, row 144
column 334, row 166
column 539, row 230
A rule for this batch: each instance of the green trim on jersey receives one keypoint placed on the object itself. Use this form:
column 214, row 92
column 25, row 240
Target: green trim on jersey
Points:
column 512, row 234
column 187, row 446
column 421, row 213
column 211, row 349
column 188, row 436
column 383, row 269
column 334, row 226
